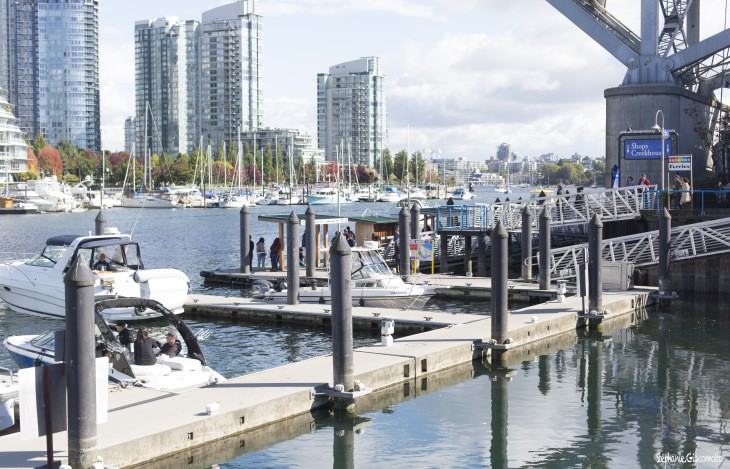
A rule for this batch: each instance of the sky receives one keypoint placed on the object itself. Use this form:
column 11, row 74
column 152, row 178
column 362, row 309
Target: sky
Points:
column 461, row 77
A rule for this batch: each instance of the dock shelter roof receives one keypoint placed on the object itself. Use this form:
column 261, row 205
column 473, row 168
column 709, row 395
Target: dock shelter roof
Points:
column 318, row 219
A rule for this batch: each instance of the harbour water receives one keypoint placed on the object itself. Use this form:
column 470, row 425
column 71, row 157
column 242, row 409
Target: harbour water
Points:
column 631, row 398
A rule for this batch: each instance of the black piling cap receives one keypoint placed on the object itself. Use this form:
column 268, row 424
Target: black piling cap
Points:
column 665, row 214
column 499, row 231
column 545, row 213
column 79, row 273
column 244, row 210
column 596, row 221
column 340, row 246
column 310, row 210
column 293, row 218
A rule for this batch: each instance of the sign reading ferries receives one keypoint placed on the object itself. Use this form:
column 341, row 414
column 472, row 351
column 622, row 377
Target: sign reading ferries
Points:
column 679, row 163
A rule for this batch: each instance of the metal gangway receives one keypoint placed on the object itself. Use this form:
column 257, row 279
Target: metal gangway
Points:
column 624, row 203
column 688, row 241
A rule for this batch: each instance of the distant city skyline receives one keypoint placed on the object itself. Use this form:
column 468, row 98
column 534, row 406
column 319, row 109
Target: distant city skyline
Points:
column 461, row 77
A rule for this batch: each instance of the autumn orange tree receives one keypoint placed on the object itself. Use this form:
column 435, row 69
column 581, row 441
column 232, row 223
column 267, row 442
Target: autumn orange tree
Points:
column 49, row 162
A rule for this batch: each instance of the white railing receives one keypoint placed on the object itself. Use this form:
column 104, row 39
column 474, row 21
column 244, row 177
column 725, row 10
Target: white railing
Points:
column 689, row 241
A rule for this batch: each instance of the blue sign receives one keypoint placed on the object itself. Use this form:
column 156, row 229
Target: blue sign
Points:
column 646, row 149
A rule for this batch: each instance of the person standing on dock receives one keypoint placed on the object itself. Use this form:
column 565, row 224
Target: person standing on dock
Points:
column 261, row 253
column 250, row 253
column 274, row 252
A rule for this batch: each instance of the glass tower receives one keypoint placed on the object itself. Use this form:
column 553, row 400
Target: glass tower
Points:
column 52, row 62
column 166, row 67
column 351, row 111
column 231, row 68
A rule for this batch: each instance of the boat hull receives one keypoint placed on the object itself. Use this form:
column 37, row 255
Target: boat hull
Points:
column 43, row 294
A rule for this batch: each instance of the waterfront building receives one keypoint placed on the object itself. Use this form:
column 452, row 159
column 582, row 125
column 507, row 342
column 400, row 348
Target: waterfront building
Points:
column 288, row 141
column 49, row 60
column 129, row 134
column 13, row 149
column 166, row 85
column 351, row 111
column 231, row 51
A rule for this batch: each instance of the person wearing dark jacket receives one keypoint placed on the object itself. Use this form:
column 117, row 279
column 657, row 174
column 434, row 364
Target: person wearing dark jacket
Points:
column 125, row 337
column 274, row 252
column 171, row 347
column 144, row 346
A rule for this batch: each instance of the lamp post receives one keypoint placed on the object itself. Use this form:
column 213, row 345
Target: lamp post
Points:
column 656, row 128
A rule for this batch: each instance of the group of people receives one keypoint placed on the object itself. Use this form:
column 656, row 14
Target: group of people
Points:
column 683, row 198
column 145, row 349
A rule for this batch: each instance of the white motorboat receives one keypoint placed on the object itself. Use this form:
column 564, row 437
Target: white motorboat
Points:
column 36, row 285
column 462, row 194
column 9, row 390
column 329, row 196
column 391, row 194
column 236, row 201
column 367, row 194
column 373, row 284
column 151, row 201
column 186, row 370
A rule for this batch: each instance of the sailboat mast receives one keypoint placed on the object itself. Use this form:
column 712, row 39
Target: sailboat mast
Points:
column 254, row 163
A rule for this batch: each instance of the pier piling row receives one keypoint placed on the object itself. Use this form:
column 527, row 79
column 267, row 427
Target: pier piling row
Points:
column 179, row 422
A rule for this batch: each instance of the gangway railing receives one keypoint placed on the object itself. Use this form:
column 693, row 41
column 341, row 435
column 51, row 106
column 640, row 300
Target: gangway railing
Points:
column 688, row 241
column 623, row 203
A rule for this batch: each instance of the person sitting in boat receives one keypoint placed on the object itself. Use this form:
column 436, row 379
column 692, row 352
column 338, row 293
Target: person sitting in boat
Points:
column 102, row 265
column 144, row 348
column 171, row 347
column 124, row 336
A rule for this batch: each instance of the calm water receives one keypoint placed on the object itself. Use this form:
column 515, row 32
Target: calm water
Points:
column 614, row 400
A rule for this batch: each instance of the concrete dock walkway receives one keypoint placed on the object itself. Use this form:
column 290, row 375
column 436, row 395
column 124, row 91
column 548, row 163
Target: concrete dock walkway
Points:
column 146, row 425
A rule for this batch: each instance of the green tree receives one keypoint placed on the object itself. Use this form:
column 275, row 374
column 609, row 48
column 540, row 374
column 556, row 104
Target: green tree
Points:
column 181, row 171
column 388, row 168
column 39, row 143
column 418, row 166
column 399, row 165
column 87, row 163
column 69, row 154
column 311, row 171
column 268, row 165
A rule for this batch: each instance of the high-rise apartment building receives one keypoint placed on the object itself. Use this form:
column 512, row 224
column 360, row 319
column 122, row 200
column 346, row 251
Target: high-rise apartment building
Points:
column 231, row 51
column 351, row 111
column 504, row 152
column 50, row 55
column 166, row 85
column 130, row 132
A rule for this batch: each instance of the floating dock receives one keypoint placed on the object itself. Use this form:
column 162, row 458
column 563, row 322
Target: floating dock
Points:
column 178, row 430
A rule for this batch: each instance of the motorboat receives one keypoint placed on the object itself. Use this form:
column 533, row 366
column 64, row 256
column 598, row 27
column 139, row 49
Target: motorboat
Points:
column 36, row 285
column 329, row 196
column 236, row 201
column 367, row 194
column 149, row 200
column 462, row 194
column 9, row 390
column 373, row 284
column 391, row 194
column 188, row 369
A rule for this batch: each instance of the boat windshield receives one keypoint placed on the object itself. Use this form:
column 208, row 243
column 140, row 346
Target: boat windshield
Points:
column 368, row 264
column 46, row 341
column 120, row 256
column 49, row 257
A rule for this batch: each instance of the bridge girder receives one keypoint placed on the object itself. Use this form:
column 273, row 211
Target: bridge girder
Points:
column 671, row 54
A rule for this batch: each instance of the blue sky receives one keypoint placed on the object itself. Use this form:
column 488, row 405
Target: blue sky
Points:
column 461, row 77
